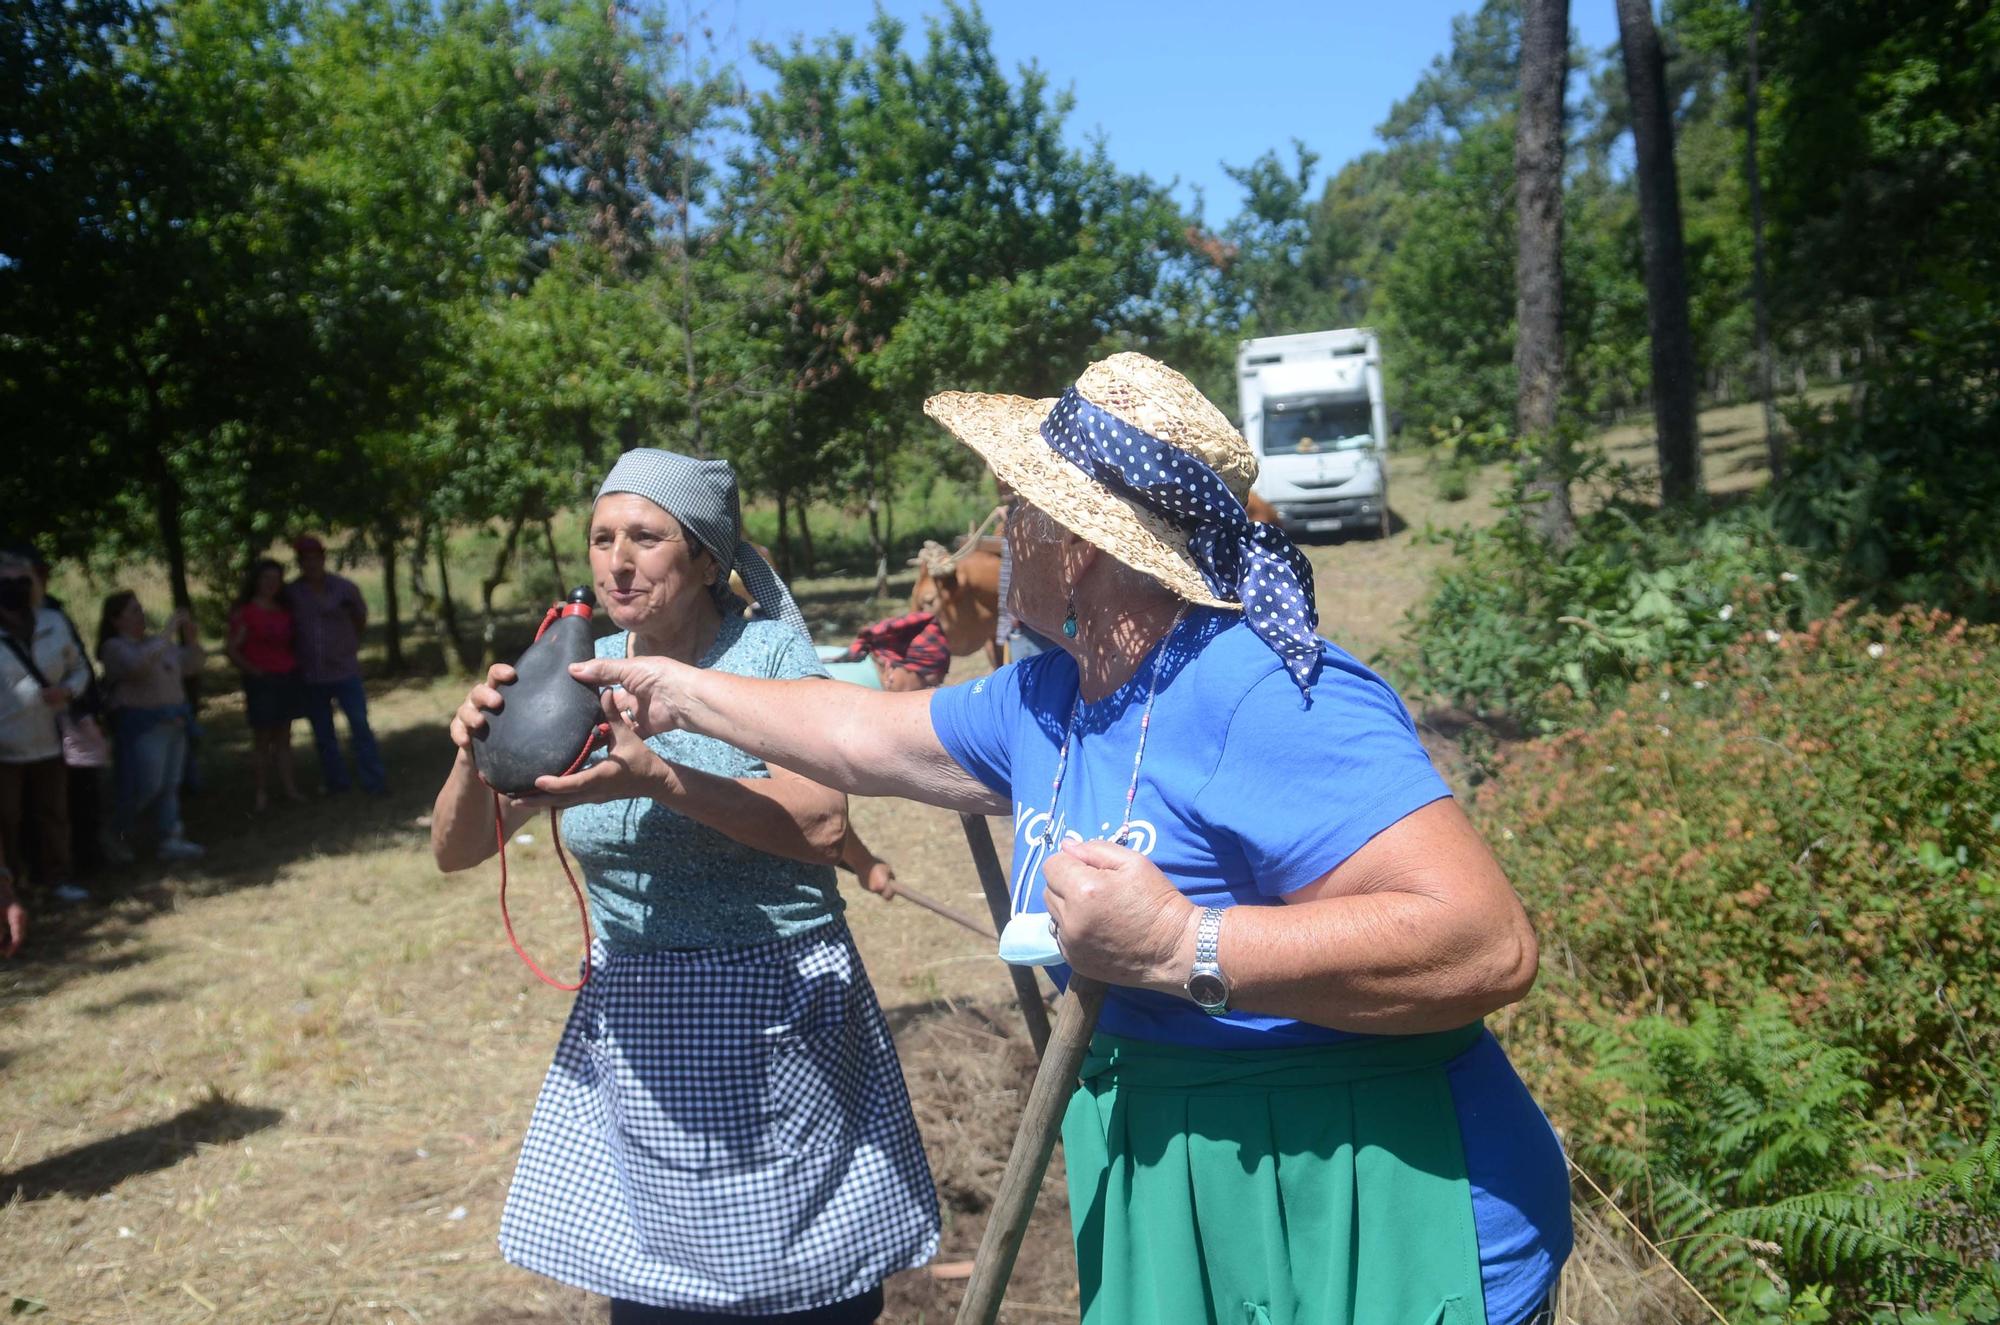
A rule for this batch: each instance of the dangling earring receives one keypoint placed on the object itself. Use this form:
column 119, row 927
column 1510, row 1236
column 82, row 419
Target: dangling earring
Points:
column 1069, row 622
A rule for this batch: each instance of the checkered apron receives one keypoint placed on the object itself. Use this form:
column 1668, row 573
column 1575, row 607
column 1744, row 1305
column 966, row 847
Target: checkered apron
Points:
column 727, row 1130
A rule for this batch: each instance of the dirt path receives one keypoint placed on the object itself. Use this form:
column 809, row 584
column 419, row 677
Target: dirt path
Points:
column 288, row 1086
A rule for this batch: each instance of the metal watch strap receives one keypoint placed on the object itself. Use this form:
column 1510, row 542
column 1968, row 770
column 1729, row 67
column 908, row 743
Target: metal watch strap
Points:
column 1207, row 936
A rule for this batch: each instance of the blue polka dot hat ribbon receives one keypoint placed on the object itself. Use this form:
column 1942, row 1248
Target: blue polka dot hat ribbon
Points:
column 1243, row 561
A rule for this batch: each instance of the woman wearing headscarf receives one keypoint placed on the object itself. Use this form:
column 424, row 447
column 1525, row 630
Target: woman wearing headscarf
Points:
column 724, row 1133
column 1291, row 1111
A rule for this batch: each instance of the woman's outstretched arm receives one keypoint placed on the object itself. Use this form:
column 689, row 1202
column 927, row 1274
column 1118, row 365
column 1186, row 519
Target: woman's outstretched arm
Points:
column 867, row 742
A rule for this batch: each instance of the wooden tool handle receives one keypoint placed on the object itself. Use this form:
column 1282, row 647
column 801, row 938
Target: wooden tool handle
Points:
column 1041, row 1122
column 951, row 913
column 1027, row 991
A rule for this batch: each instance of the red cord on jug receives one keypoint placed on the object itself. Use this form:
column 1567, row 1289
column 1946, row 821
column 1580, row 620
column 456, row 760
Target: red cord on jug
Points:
column 601, row 732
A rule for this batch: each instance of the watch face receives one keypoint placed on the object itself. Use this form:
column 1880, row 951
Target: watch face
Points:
column 1207, row 989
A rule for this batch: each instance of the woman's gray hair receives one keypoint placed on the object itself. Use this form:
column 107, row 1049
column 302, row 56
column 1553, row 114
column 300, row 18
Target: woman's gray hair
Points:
column 702, row 495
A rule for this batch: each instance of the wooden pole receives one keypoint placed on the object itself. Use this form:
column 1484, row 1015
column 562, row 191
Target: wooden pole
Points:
column 1041, row 1121
column 951, row 913
column 994, row 884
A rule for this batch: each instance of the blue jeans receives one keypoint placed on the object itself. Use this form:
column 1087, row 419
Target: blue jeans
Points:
column 320, row 697
column 151, row 753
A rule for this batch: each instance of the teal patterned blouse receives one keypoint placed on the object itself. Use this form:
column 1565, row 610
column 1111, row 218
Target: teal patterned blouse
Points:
column 656, row 878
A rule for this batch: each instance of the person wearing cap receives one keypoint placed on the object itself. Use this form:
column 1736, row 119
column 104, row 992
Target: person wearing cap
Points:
column 328, row 616
column 724, row 1133
column 1291, row 1110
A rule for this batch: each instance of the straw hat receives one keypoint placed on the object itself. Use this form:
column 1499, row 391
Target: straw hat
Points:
column 1143, row 392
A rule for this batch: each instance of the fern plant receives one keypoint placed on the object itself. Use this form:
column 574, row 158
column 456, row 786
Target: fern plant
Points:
column 1928, row 1245
column 1745, row 1143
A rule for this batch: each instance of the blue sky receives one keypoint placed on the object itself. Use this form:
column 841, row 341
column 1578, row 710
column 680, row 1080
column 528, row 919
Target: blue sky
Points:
column 1179, row 87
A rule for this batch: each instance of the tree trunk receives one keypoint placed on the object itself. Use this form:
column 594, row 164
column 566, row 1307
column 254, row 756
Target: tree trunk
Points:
column 549, row 542
column 392, row 604
column 784, row 536
column 1538, row 183
column 467, row 657
column 807, row 561
column 687, row 301
column 1666, row 257
column 491, row 584
column 1760, row 305
column 878, row 547
column 420, row 593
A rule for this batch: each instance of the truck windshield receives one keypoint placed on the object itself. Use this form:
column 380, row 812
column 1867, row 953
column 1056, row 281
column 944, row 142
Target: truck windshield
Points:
column 1320, row 423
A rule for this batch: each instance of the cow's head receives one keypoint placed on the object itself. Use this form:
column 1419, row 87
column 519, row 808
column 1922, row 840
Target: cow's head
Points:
column 937, row 580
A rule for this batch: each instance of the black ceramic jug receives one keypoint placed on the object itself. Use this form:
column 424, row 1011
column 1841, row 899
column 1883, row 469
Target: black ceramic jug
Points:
column 549, row 715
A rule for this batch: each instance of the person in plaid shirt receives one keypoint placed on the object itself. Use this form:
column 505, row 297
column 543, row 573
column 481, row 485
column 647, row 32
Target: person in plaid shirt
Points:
column 910, row 652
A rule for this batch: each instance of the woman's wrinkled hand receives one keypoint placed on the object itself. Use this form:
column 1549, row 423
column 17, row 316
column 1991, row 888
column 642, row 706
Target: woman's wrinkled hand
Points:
column 645, row 695
column 1117, row 918
column 470, row 719
column 629, row 770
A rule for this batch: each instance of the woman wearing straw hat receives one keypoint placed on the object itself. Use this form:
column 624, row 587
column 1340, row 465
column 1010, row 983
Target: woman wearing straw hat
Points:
column 724, row 1133
column 1291, row 1111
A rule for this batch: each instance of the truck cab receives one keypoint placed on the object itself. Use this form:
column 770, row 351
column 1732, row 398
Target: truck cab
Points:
column 1313, row 412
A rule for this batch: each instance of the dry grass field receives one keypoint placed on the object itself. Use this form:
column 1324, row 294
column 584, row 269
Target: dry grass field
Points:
column 287, row 1084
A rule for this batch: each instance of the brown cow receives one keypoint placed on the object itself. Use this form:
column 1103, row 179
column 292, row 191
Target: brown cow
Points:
column 962, row 590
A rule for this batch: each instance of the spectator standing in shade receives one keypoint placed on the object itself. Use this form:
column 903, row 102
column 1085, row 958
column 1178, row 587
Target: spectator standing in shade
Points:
column 327, row 619
column 89, row 842
column 146, row 675
column 41, row 671
column 260, row 644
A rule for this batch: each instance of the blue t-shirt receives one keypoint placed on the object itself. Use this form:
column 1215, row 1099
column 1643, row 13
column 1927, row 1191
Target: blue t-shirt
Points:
column 656, row 878
column 1247, row 794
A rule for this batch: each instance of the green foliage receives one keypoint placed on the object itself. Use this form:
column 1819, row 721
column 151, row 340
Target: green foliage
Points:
column 1515, row 627
column 1448, row 334
column 1812, row 816
column 1928, row 1239
column 1768, row 890
column 914, row 221
column 1745, row 1142
column 1899, row 489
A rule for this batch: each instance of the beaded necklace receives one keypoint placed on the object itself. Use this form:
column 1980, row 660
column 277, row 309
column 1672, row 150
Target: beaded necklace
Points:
column 1145, row 723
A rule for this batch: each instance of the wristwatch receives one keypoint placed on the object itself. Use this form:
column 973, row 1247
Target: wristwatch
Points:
column 1206, row 984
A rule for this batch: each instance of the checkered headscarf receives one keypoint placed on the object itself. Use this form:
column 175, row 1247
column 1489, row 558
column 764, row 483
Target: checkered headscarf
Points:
column 702, row 495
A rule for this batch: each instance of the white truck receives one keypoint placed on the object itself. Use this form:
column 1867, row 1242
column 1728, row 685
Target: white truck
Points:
column 1313, row 413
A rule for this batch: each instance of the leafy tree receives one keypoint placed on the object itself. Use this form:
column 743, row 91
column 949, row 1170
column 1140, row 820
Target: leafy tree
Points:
column 913, row 222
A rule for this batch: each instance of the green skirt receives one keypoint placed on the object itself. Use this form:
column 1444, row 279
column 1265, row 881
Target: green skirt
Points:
column 1320, row 1186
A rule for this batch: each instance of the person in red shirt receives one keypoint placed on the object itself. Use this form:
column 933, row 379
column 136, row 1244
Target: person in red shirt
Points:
column 260, row 644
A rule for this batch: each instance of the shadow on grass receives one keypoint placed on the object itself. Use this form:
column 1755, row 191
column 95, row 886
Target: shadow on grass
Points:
column 1003, row 1020
column 93, row 1169
column 1365, row 529
column 244, row 850
column 150, row 996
